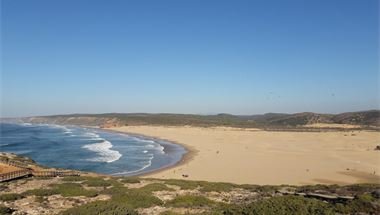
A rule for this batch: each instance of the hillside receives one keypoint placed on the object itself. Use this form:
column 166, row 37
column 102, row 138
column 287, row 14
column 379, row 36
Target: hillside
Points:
column 269, row 120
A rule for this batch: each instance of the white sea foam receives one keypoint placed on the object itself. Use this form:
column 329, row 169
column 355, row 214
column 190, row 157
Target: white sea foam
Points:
column 149, row 163
column 90, row 134
column 157, row 146
column 142, row 140
column 161, row 149
column 103, row 149
column 145, row 151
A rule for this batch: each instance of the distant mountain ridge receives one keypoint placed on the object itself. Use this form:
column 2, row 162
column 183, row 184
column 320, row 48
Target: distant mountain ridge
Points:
column 362, row 118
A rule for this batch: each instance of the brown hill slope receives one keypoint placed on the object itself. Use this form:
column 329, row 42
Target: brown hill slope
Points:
column 363, row 118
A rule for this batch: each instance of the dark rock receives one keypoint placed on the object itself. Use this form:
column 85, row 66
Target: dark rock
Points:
column 376, row 193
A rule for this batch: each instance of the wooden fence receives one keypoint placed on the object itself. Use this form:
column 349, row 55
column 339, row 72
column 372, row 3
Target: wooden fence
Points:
column 54, row 173
column 15, row 174
column 13, row 163
column 26, row 171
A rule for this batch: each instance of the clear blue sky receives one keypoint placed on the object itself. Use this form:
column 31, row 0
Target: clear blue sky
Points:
column 189, row 56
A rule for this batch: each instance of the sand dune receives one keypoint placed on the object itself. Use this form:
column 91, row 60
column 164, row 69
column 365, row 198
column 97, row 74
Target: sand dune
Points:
column 266, row 157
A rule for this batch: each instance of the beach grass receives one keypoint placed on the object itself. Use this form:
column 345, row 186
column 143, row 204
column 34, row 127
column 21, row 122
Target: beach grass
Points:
column 184, row 185
column 41, row 192
column 134, row 198
column 188, row 201
column 130, row 180
column 65, row 189
column 154, row 187
column 101, row 207
column 11, row 197
column 97, row 182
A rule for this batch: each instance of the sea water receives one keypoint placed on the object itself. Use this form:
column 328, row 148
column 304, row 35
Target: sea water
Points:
column 88, row 149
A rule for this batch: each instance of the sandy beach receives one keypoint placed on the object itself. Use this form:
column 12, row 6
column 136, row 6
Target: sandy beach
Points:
column 266, row 157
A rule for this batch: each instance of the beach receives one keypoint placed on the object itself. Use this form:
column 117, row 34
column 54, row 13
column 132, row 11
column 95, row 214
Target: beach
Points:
column 253, row 156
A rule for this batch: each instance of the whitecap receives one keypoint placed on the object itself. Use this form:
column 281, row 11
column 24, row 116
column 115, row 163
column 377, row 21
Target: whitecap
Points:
column 103, row 149
column 90, row 134
column 161, row 149
column 142, row 140
column 134, row 171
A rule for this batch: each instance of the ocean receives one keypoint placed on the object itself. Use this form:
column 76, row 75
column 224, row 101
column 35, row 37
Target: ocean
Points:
column 88, row 149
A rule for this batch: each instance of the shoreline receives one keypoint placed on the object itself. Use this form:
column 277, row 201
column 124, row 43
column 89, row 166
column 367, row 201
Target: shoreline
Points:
column 186, row 158
column 173, row 153
column 246, row 156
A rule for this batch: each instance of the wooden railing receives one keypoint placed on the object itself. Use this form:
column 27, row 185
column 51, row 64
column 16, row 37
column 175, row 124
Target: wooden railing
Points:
column 15, row 174
column 54, row 173
column 26, row 171
column 13, row 163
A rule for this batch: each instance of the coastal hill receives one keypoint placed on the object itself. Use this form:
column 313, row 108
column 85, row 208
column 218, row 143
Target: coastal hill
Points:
column 367, row 119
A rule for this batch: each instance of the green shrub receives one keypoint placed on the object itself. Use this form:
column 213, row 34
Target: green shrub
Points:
column 190, row 201
column 75, row 178
column 97, row 182
column 137, row 199
column 130, row 180
column 134, row 198
column 361, row 188
column 11, row 197
column 184, row 185
column 100, row 208
column 115, row 183
column 5, row 210
column 154, row 187
column 204, row 185
column 41, row 192
column 70, row 189
column 361, row 204
column 312, row 188
column 258, row 188
column 216, row 187
column 283, row 205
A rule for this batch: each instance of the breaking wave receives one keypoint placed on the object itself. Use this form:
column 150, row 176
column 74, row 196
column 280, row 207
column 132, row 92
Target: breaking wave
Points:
column 103, row 149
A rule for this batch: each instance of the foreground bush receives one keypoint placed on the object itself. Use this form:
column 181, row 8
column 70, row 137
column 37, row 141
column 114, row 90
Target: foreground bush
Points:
column 134, row 198
column 184, row 185
column 216, row 187
column 41, row 192
column 188, row 201
column 284, row 205
column 10, row 197
column 361, row 204
column 69, row 189
column 154, row 187
column 101, row 208
column 130, row 180
column 97, row 182
column 5, row 210
column 66, row 190
column 203, row 185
